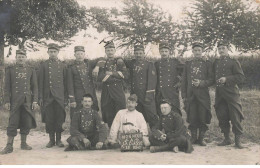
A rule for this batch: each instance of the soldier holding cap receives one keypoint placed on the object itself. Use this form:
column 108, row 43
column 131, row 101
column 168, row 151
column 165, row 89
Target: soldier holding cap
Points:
column 170, row 133
column 80, row 80
column 112, row 75
column 20, row 91
column 143, row 84
column 169, row 72
column 228, row 74
column 197, row 77
column 52, row 92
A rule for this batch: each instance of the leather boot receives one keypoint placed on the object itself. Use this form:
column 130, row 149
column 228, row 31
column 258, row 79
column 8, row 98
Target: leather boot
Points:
column 24, row 145
column 154, row 149
column 201, row 138
column 58, row 140
column 226, row 141
column 9, row 146
column 194, row 138
column 52, row 140
column 238, row 142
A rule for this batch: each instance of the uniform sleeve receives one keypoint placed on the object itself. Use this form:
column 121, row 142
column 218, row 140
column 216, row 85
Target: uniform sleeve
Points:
column 66, row 95
column 34, row 86
column 123, row 71
column 101, row 128
column 151, row 82
column 238, row 75
column 210, row 76
column 156, row 130
column 184, row 82
column 74, row 126
column 70, row 84
column 41, row 80
column 143, row 125
column 7, row 88
column 102, row 76
column 178, row 127
column 115, row 128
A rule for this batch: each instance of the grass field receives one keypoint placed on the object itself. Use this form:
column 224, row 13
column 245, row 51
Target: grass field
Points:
column 250, row 104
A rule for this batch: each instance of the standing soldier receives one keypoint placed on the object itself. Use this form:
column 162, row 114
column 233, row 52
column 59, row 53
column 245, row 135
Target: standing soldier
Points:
column 80, row 81
column 143, row 84
column 112, row 75
column 228, row 74
column 169, row 72
column 197, row 77
column 51, row 95
column 21, row 96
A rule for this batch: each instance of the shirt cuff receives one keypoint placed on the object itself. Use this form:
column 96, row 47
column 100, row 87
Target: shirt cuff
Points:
column 105, row 78
column 121, row 74
column 150, row 91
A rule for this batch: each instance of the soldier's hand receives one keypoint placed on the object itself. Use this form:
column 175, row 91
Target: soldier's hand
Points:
column 196, row 82
column 73, row 104
column 40, row 102
column 7, row 106
column 222, row 80
column 163, row 137
column 99, row 145
column 86, row 142
column 109, row 73
column 35, row 106
column 95, row 71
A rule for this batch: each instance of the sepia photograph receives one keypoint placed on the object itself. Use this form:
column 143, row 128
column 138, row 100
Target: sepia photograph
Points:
column 129, row 82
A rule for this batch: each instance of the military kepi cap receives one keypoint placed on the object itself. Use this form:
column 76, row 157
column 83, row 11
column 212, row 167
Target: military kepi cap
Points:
column 79, row 48
column 23, row 52
column 109, row 44
column 138, row 47
column 164, row 45
column 53, row 46
column 132, row 97
column 223, row 42
column 197, row 44
column 165, row 101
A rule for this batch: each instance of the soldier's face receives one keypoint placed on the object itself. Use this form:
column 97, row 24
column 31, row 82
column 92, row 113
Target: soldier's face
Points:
column 131, row 105
column 87, row 102
column 197, row 51
column 165, row 109
column 164, row 52
column 223, row 50
column 110, row 52
column 79, row 55
column 53, row 53
column 139, row 54
column 20, row 58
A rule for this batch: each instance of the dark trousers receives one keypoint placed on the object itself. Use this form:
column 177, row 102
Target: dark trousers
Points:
column 54, row 117
column 149, row 112
column 20, row 119
column 197, row 116
column 76, row 142
column 226, row 113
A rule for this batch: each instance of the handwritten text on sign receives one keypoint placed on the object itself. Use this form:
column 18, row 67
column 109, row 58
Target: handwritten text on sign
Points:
column 132, row 142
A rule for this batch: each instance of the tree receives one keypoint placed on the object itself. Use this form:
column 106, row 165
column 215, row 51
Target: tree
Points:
column 137, row 22
column 234, row 20
column 30, row 22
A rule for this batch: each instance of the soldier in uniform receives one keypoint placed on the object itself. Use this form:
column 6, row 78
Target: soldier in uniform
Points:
column 87, row 129
column 228, row 74
column 112, row 75
column 143, row 84
column 197, row 77
column 170, row 133
column 21, row 96
column 80, row 80
column 52, row 92
column 169, row 72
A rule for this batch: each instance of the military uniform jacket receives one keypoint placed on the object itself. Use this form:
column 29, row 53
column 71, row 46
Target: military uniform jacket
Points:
column 173, row 126
column 168, row 76
column 113, row 83
column 52, row 83
column 80, row 80
column 143, row 79
column 231, row 69
column 86, row 122
column 21, row 88
column 197, row 68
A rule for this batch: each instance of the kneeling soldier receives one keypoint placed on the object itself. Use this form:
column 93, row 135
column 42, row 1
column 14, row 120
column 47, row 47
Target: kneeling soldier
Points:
column 87, row 129
column 20, row 91
column 175, row 132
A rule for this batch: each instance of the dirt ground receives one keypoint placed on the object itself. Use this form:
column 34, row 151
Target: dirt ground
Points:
column 201, row 155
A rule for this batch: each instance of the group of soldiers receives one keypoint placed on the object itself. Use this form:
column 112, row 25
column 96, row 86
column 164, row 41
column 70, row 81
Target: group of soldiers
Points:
column 154, row 96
